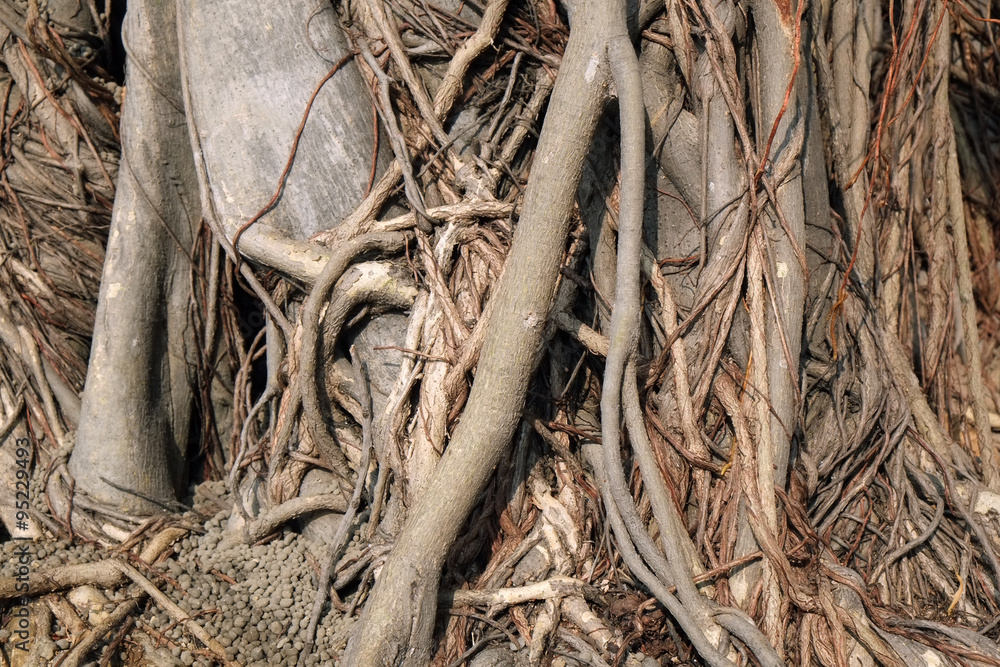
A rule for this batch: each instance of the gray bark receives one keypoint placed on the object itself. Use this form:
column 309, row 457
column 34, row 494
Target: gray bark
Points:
column 250, row 75
column 786, row 276
column 247, row 97
column 136, row 407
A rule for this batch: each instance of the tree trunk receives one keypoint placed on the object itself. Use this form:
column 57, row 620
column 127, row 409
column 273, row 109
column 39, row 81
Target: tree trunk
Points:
column 135, row 422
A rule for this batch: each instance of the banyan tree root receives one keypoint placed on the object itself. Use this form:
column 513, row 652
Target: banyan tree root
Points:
column 780, row 498
column 398, row 620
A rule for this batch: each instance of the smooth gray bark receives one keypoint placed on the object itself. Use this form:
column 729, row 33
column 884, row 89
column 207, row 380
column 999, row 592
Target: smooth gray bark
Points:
column 250, row 76
column 136, row 410
column 786, row 277
column 248, row 96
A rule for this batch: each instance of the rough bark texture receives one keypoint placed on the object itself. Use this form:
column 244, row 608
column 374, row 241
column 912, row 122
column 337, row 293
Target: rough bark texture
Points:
column 398, row 620
column 817, row 499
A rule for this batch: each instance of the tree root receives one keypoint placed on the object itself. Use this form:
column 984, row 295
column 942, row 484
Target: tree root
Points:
column 555, row 587
column 398, row 619
column 315, row 304
column 340, row 537
column 293, row 508
column 102, row 573
column 92, row 637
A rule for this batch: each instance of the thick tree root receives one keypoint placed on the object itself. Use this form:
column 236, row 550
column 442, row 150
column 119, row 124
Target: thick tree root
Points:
column 398, row 620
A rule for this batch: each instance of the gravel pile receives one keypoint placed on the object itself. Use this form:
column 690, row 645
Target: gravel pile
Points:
column 255, row 600
column 261, row 619
column 47, row 554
